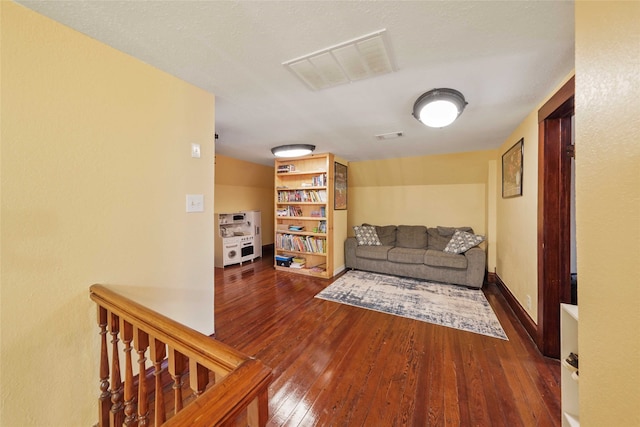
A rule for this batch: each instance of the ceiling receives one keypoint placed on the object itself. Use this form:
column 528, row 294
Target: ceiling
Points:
column 504, row 56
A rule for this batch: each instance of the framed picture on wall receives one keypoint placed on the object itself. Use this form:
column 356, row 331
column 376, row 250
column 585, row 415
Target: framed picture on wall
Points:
column 340, row 187
column 512, row 170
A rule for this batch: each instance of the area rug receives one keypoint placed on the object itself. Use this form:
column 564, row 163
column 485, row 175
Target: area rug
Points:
column 442, row 304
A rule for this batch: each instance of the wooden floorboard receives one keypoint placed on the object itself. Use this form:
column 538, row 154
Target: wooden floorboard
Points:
column 338, row 365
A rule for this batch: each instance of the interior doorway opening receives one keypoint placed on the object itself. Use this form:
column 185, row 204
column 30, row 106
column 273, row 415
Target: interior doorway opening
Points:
column 555, row 232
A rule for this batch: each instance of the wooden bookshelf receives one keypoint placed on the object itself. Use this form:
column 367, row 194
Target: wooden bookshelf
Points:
column 304, row 214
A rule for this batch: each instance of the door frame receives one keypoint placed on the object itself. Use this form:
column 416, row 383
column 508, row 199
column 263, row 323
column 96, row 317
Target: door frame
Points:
column 554, row 215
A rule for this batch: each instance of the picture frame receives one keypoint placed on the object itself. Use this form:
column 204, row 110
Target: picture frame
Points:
column 512, row 170
column 339, row 186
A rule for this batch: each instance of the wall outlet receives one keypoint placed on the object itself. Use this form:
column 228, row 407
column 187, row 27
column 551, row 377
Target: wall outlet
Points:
column 528, row 302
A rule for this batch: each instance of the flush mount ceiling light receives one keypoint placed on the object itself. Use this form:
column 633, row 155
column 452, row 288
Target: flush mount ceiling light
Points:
column 439, row 107
column 293, row 150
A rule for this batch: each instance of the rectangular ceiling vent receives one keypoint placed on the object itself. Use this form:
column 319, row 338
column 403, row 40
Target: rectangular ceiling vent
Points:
column 390, row 135
column 353, row 60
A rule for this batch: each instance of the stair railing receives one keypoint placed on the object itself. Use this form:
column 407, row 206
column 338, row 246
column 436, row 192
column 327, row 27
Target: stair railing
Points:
column 223, row 386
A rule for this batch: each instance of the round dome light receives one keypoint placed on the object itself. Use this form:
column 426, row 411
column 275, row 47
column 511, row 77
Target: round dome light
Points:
column 439, row 107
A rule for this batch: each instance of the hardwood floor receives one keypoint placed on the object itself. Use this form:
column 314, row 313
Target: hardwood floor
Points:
column 339, row 365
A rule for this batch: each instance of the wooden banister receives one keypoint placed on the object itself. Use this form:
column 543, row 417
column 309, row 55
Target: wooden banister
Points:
column 225, row 387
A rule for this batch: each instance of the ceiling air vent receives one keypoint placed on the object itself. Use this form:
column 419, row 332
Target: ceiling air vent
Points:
column 390, row 135
column 353, row 60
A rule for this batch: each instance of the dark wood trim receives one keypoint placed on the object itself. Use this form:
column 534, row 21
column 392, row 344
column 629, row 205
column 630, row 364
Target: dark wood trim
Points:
column 522, row 315
column 554, row 182
column 492, row 278
column 551, row 108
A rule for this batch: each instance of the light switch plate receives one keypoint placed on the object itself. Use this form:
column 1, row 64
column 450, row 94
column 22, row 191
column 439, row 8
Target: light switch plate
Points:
column 195, row 150
column 195, row 202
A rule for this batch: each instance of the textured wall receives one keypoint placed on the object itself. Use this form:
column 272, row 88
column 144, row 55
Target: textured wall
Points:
column 95, row 167
column 608, row 210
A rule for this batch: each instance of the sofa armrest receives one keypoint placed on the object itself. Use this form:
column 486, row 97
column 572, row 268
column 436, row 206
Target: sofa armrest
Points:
column 350, row 246
column 476, row 262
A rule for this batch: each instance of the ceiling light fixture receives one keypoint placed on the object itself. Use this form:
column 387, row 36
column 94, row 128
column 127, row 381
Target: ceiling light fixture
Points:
column 439, row 107
column 293, row 150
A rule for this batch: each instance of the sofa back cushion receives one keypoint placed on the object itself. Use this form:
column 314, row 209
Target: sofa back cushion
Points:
column 386, row 234
column 411, row 236
column 439, row 236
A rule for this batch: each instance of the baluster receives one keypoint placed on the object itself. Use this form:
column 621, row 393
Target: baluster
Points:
column 158, row 351
column 198, row 377
column 116, row 415
column 104, row 401
column 141, row 342
column 129, row 394
column 177, row 366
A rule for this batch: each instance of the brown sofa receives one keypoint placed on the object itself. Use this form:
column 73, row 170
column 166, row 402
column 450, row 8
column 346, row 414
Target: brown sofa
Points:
column 417, row 251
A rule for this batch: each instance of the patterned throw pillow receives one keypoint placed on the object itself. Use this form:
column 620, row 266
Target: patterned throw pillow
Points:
column 462, row 242
column 366, row 235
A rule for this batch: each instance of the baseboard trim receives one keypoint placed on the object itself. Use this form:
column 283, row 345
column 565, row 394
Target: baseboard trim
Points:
column 522, row 315
column 492, row 278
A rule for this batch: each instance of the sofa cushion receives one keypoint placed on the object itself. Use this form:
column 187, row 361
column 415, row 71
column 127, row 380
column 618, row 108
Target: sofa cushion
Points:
column 406, row 255
column 439, row 236
column 366, row 235
column 436, row 258
column 462, row 242
column 411, row 236
column 373, row 252
column 387, row 234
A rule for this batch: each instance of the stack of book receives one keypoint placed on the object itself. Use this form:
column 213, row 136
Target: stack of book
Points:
column 298, row 262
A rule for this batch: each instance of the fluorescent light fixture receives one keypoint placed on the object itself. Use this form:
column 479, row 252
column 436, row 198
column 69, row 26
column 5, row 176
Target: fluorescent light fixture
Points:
column 439, row 107
column 293, row 150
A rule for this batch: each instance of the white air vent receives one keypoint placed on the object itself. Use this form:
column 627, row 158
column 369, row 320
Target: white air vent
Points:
column 353, row 60
column 390, row 135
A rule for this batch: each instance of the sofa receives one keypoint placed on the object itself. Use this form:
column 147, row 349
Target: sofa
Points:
column 441, row 254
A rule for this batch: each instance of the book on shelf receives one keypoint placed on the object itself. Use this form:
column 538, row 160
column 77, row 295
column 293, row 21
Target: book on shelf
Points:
column 318, row 268
column 293, row 242
column 298, row 262
column 320, row 180
column 313, row 196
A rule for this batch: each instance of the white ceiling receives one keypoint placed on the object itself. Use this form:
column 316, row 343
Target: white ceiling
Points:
column 504, row 56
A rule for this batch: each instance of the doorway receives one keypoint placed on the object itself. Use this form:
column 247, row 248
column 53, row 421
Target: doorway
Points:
column 555, row 153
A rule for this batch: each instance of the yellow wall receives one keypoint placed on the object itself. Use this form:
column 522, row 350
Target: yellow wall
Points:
column 517, row 217
column 517, row 223
column 245, row 186
column 95, row 167
column 608, row 210
column 446, row 190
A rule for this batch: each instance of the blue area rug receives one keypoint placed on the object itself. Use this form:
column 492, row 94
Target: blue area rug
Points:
column 447, row 305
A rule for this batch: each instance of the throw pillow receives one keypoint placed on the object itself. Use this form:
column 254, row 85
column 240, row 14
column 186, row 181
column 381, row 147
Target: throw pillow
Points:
column 366, row 235
column 462, row 242
column 448, row 231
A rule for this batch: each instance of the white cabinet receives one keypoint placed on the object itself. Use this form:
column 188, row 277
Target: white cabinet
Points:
column 570, row 382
